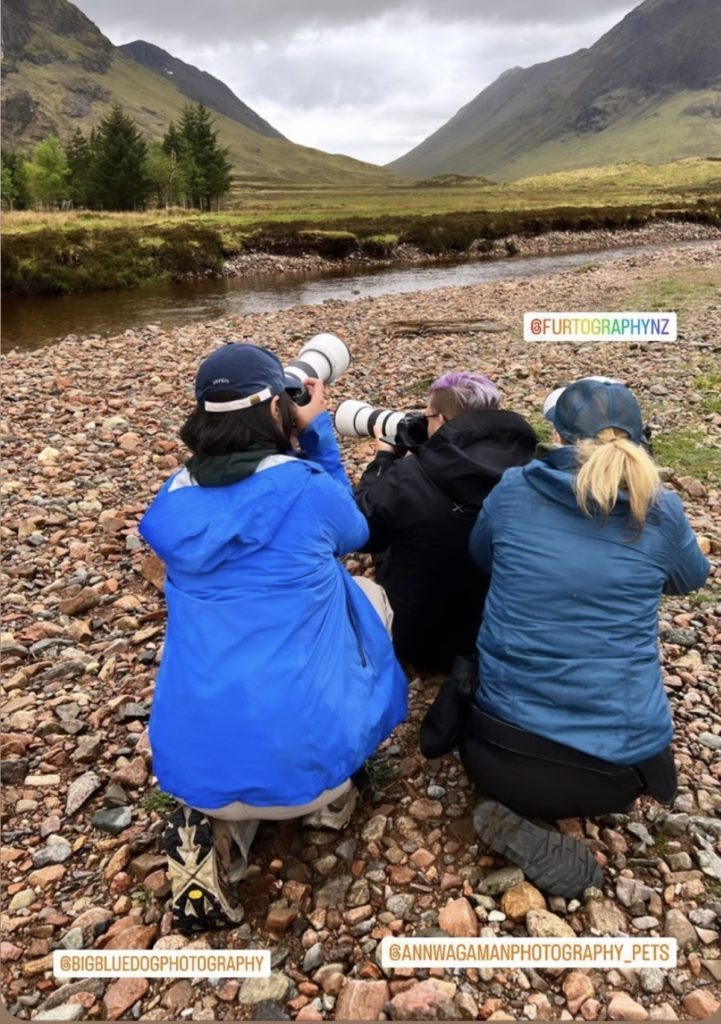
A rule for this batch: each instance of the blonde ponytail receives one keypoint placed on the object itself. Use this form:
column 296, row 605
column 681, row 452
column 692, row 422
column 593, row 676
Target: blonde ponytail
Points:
column 609, row 463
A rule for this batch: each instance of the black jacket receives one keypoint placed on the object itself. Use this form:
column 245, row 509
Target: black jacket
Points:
column 420, row 511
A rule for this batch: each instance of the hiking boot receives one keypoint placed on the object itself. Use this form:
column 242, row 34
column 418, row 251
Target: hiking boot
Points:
column 202, row 896
column 558, row 864
column 335, row 815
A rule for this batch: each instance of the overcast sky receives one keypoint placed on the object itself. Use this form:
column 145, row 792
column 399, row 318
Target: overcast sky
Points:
column 371, row 78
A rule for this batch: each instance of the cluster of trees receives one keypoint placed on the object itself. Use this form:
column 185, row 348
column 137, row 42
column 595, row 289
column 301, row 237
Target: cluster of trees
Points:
column 114, row 168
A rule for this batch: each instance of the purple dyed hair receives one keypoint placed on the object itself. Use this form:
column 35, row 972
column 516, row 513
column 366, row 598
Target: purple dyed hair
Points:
column 465, row 390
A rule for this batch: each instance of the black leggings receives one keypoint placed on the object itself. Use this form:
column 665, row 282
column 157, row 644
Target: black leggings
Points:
column 539, row 778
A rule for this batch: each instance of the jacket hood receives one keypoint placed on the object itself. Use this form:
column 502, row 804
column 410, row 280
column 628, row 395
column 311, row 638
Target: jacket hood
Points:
column 469, row 454
column 553, row 476
column 194, row 529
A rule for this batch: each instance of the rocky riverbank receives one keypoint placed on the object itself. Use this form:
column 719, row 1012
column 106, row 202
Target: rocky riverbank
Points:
column 550, row 242
column 90, row 434
column 65, row 259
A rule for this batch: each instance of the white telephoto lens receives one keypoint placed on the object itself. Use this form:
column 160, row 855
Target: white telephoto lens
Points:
column 351, row 418
column 325, row 356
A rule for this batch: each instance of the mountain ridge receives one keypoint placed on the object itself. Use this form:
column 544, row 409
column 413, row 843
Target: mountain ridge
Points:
column 619, row 94
column 61, row 73
column 198, row 86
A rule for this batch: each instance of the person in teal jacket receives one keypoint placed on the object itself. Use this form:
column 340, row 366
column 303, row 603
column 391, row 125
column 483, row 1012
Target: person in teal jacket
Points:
column 278, row 677
column 570, row 717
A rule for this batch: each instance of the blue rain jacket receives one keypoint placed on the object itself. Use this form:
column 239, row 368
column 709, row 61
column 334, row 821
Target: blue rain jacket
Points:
column 278, row 678
column 568, row 646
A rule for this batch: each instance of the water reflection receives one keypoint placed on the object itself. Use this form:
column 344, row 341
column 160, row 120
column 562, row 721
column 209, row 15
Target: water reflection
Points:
column 30, row 323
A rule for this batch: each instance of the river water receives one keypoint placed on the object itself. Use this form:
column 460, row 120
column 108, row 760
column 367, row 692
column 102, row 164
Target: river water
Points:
column 30, row 323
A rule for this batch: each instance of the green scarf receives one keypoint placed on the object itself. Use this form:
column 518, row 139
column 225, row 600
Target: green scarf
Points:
column 222, row 470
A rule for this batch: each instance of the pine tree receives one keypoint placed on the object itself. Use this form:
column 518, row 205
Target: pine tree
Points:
column 15, row 191
column 48, row 173
column 118, row 178
column 9, row 192
column 203, row 168
column 79, row 156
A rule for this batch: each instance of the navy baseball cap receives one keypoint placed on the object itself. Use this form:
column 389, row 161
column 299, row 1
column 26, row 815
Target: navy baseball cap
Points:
column 252, row 373
column 587, row 407
column 549, row 406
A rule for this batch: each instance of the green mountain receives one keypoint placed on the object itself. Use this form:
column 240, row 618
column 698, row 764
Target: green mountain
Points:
column 61, row 73
column 198, row 86
column 648, row 90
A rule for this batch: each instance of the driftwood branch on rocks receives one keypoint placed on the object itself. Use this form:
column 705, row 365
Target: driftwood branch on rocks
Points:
column 424, row 328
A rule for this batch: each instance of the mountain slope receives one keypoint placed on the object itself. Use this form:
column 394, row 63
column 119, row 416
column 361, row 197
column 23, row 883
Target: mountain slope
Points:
column 60, row 73
column 198, row 86
column 649, row 89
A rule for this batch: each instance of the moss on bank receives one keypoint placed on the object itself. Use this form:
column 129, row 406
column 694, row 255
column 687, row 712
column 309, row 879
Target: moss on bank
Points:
column 81, row 258
column 688, row 452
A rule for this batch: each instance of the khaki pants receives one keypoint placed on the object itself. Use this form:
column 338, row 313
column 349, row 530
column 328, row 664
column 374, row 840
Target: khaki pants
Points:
column 241, row 820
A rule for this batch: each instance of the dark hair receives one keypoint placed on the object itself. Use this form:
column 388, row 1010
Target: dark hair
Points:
column 221, row 433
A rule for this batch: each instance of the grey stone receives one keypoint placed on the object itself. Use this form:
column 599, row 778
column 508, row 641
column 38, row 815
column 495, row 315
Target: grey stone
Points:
column 325, row 864
column 258, row 990
column 711, row 825
column 115, row 796
column 359, row 893
column 112, row 819
column 674, row 824
column 714, row 968
column 710, row 740
column 88, row 748
column 704, row 917
column 50, row 825
column 677, row 926
column 131, row 711
column 66, row 1011
column 652, row 980
column 401, row 905
column 605, row 918
column 80, row 791
column 643, row 924
column 346, row 850
column 72, row 939
column 636, row 828
column 13, row 770
column 710, row 863
column 499, row 881
column 55, row 853
column 679, row 861
column 60, row 995
column 278, row 956
column 21, row 900
column 333, row 892
column 269, row 1010
column 374, row 829
column 681, row 637
column 630, row 890
column 313, row 958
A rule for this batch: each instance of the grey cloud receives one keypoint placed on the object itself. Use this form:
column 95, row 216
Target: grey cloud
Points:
column 278, row 19
column 371, row 80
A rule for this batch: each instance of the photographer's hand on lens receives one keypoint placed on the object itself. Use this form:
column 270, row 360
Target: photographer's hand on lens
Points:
column 384, row 446
column 305, row 414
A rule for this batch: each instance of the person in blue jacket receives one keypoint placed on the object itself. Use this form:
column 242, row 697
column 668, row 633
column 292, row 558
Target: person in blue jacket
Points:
column 570, row 717
column 278, row 677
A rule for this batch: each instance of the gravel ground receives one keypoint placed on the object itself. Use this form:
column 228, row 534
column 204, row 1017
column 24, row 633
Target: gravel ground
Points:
column 89, row 435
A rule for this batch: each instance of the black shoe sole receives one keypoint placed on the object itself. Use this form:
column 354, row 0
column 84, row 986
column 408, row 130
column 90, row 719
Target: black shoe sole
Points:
column 558, row 864
column 198, row 901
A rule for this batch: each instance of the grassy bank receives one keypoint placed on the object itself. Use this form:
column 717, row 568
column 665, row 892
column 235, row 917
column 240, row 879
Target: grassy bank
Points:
column 82, row 251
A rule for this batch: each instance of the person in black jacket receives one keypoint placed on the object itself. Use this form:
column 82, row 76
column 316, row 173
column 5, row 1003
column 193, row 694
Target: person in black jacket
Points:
column 421, row 509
